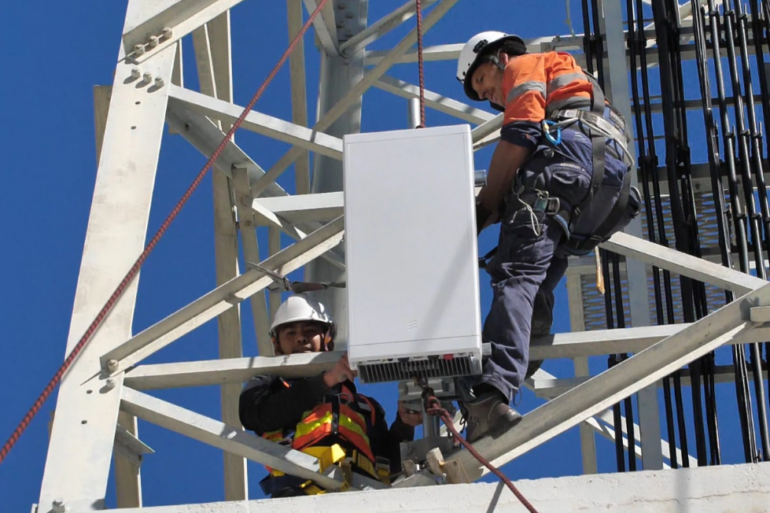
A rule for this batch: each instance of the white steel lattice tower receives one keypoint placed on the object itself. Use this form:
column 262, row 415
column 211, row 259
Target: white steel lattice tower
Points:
column 102, row 395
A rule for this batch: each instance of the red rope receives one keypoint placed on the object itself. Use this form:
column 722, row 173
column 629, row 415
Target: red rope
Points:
column 420, row 65
column 150, row 246
column 437, row 410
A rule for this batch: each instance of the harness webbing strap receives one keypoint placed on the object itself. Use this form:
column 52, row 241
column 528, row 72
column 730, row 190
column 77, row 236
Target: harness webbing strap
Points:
column 617, row 210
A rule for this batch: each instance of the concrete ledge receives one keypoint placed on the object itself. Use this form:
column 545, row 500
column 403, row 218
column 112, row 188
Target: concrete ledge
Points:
column 729, row 488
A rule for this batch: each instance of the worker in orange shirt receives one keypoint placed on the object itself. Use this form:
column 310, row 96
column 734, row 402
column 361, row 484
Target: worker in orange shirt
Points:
column 559, row 184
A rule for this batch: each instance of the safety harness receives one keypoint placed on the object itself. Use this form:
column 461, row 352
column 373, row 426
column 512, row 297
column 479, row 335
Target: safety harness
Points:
column 347, row 417
column 599, row 129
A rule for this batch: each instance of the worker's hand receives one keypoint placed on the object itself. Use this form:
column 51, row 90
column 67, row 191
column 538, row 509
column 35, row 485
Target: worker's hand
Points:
column 485, row 217
column 492, row 219
column 409, row 417
column 340, row 373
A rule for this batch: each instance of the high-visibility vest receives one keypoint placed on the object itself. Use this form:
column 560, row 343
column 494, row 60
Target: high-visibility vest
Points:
column 347, row 416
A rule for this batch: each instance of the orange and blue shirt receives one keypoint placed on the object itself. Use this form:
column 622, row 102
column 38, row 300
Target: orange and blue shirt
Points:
column 537, row 84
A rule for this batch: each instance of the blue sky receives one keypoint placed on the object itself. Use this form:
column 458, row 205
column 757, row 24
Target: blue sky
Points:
column 51, row 64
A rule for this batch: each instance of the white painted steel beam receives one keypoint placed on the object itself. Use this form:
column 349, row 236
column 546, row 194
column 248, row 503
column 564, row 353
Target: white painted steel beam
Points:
column 451, row 52
column 238, row 370
column 128, row 479
column 274, row 246
column 205, row 135
column 302, row 209
column 598, row 423
column 223, row 298
column 617, row 383
column 488, row 128
column 268, row 218
column 250, row 249
column 381, row 27
column 214, row 62
column 324, row 25
column 298, row 90
column 548, row 388
column 611, row 21
column 448, row 52
column 683, row 264
column 80, row 452
column 149, row 18
column 580, row 363
column 256, row 122
column 357, row 91
column 227, row 438
column 233, row 370
column 434, row 100
column 627, row 340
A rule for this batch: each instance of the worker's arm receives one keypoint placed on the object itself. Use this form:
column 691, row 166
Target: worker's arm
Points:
column 506, row 160
column 266, row 404
column 524, row 90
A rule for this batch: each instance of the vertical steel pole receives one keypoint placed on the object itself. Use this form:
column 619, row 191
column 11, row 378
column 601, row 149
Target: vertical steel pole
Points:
column 338, row 75
column 617, row 85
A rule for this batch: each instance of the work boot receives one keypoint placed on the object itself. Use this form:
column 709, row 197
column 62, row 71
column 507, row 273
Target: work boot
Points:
column 542, row 319
column 489, row 415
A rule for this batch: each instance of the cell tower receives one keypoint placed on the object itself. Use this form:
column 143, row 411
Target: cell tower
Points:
column 688, row 277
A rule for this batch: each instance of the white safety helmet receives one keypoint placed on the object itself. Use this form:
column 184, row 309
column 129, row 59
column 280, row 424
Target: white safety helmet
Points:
column 300, row 307
column 479, row 49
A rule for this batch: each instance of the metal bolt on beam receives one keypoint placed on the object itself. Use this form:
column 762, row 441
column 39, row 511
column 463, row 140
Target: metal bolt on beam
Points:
column 159, row 82
column 148, row 77
column 59, row 506
column 110, row 383
column 112, row 365
column 138, row 50
column 135, row 73
column 152, row 41
column 167, row 33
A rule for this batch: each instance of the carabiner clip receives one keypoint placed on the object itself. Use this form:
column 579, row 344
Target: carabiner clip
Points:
column 546, row 126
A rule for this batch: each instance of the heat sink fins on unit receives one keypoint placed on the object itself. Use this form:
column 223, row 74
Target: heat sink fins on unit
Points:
column 425, row 368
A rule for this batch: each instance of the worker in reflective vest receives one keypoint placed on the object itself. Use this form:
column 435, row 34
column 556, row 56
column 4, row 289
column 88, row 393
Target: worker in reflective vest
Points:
column 558, row 182
column 323, row 415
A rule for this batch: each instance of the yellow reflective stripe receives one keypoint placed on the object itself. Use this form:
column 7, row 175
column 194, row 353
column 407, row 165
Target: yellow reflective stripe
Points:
column 353, row 426
column 274, row 435
column 305, row 428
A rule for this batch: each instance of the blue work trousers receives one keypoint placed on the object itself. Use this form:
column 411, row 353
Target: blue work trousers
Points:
column 525, row 265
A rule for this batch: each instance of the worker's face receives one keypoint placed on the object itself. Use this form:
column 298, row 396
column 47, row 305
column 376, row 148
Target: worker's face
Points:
column 487, row 81
column 300, row 337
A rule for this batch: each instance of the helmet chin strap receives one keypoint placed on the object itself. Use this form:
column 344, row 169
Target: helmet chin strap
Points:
column 328, row 343
column 496, row 60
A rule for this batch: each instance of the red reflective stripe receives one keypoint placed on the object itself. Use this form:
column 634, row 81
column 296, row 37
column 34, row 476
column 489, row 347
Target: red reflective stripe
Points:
column 309, row 439
column 274, row 435
column 359, row 442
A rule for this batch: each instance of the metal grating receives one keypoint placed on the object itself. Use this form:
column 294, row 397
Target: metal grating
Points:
column 432, row 367
column 593, row 302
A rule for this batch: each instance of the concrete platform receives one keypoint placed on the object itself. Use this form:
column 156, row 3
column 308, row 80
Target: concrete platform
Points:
column 729, row 488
